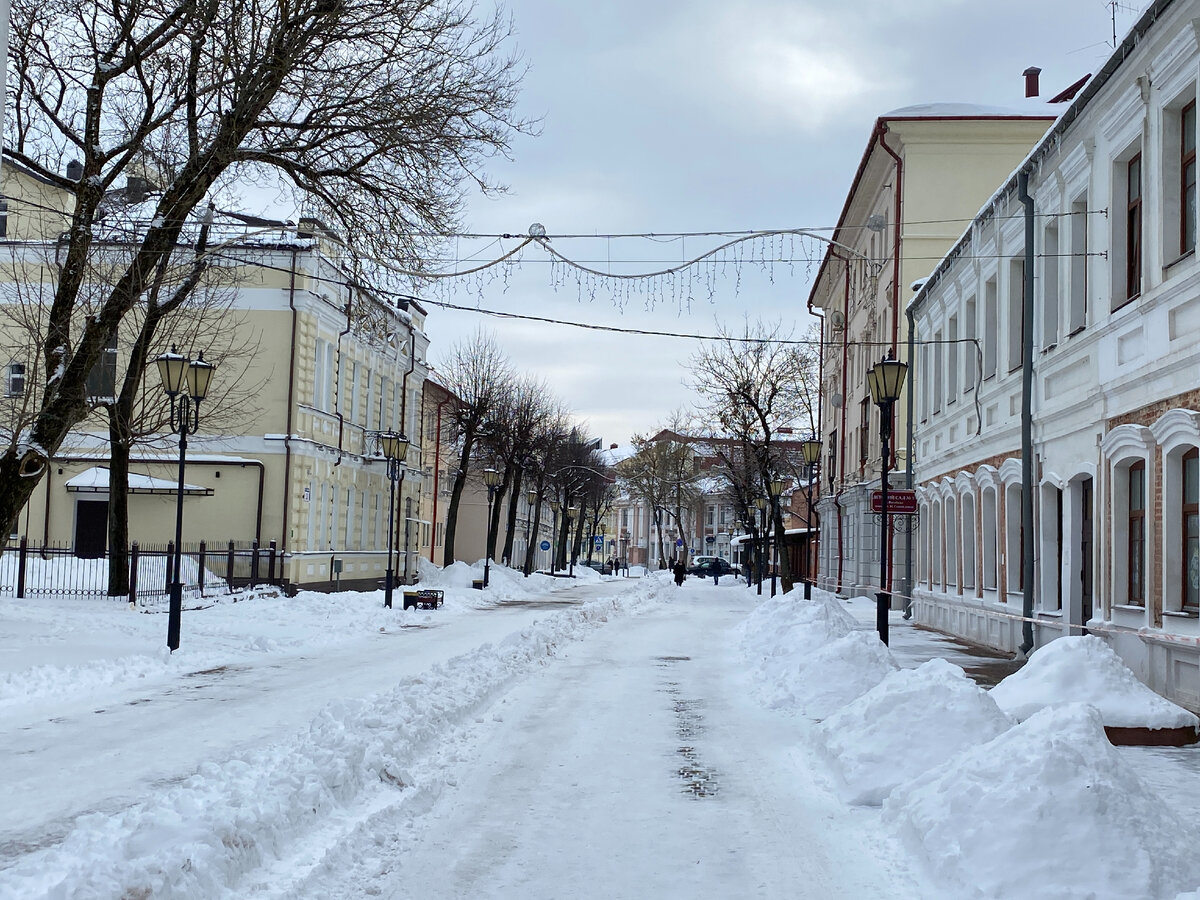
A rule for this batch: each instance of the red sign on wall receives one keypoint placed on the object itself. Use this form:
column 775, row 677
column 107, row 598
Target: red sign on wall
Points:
column 900, row 502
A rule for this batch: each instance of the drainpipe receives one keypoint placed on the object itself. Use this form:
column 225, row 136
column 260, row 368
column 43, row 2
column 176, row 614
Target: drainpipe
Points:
column 437, row 471
column 842, row 443
column 908, row 474
column 897, row 203
column 287, row 437
column 412, row 364
column 1027, row 421
column 337, row 396
column 812, row 565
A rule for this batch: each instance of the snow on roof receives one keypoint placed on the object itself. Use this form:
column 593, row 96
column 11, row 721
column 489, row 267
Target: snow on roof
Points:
column 948, row 110
column 95, row 481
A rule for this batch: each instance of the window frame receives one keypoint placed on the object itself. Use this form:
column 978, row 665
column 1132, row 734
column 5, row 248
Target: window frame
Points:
column 1187, row 509
column 1133, row 226
column 1187, row 179
column 1135, row 521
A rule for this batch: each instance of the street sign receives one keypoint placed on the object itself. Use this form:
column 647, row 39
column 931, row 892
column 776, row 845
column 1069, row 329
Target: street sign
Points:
column 598, row 541
column 678, row 542
column 545, row 545
column 900, row 502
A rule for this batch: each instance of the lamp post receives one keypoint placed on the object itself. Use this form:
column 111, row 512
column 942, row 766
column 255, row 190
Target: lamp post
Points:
column 886, row 380
column 186, row 382
column 555, row 506
column 776, row 488
column 491, row 477
column 572, row 512
column 811, row 451
column 761, row 503
column 603, row 546
column 531, row 496
column 395, row 449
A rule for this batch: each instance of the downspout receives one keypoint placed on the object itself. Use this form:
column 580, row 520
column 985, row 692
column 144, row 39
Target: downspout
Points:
column 437, row 471
column 337, row 396
column 1027, row 422
column 287, row 437
column 898, row 192
column 842, row 443
column 412, row 364
column 908, row 473
column 812, row 565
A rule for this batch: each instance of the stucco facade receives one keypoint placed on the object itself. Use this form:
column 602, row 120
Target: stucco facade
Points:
column 925, row 173
column 1115, row 408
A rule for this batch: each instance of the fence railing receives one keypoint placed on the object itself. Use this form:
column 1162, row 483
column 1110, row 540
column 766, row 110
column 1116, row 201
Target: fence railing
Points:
column 54, row 570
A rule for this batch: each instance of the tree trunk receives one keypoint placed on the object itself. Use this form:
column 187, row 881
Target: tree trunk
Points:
column 496, row 511
column 118, row 502
column 785, row 560
column 535, row 529
column 456, row 492
column 514, row 498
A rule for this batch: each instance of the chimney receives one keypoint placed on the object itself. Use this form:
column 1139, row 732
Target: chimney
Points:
column 1031, row 81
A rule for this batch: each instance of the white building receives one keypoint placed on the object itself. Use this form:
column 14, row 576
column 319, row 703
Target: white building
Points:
column 1115, row 406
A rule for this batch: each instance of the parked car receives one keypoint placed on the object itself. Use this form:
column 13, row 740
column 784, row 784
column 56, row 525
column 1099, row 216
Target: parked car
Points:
column 705, row 566
column 601, row 567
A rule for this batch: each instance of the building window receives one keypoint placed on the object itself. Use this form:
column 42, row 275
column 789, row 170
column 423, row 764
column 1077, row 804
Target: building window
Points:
column 939, row 379
column 15, row 380
column 1191, row 530
column 991, row 324
column 1133, row 227
column 1137, row 533
column 1187, row 179
column 1050, row 287
column 952, row 360
column 1079, row 266
column 102, row 380
column 864, row 431
column 970, row 334
column 1016, row 312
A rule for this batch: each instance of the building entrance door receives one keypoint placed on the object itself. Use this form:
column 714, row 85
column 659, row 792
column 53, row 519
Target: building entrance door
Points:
column 91, row 528
column 1085, row 551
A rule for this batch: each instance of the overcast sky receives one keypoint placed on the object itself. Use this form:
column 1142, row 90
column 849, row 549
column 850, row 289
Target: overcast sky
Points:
column 671, row 116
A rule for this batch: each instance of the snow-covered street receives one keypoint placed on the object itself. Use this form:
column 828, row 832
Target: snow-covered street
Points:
column 553, row 738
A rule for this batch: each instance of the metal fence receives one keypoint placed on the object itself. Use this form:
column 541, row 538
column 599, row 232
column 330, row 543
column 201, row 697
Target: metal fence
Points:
column 55, row 570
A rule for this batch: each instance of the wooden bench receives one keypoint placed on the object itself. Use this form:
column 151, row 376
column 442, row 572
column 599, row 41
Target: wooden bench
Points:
column 423, row 599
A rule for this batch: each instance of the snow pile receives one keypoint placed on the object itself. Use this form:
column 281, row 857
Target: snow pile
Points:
column 832, row 676
column 196, row 838
column 911, row 721
column 1084, row 669
column 1003, row 818
column 809, row 655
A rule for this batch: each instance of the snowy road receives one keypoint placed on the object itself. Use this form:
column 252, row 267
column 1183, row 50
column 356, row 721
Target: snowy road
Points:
column 109, row 749
column 630, row 766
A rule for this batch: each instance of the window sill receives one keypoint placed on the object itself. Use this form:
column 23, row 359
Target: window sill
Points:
column 1182, row 613
column 1133, row 607
column 1050, row 614
column 1183, row 257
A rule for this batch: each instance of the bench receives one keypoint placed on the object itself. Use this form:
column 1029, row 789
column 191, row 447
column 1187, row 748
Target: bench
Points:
column 423, row 599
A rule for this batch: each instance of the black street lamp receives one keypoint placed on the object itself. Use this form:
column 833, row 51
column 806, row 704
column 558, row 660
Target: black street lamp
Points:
column 395, row 449
column 186, row 382
column 761, row 503
column 811, row 451
column 886, row 380
column 776, row 488
column 492, row 478
column 572, row 512
column 531, row 496
column 603, row 546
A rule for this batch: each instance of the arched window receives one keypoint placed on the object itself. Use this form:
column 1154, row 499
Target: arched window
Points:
column 1136, row 529
column 1191, row 530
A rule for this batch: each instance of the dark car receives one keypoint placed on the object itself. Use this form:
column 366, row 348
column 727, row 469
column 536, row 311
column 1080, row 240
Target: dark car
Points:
column 706, row 566
column 602, row 568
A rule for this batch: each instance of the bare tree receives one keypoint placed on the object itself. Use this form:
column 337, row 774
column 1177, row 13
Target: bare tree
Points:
column 479, row 376
column 661, row 472
column 755, row 388
column 373, row 115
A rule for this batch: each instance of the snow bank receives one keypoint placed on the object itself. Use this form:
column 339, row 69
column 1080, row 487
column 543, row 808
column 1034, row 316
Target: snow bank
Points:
column 832, row 676
column 789, row 627
column 195, row 839
column 911, row 721
column 1003, row 818
column 1084, row 669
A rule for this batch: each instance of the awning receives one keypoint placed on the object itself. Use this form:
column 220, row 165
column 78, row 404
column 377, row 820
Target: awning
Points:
column 95, row 481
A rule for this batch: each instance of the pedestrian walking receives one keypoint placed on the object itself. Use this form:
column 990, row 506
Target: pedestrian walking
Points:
column 680, row 573
column 716, row 575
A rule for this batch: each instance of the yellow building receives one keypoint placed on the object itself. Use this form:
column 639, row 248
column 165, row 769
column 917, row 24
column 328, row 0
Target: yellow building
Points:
column 311, row 367
column 925, row 173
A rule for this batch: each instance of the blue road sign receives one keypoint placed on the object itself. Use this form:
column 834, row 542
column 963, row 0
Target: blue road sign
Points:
column 545, row 545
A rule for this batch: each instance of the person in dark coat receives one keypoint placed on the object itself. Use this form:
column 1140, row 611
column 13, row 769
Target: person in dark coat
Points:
column 680, row 573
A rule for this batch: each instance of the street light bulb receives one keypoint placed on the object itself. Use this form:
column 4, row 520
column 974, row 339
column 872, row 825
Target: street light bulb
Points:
column 886, row 380
column 811, row 451
column 777, row 486
column 491, row 477
column 199, row 376
column 172, row 369
column 532, row 495
column 395, row 445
